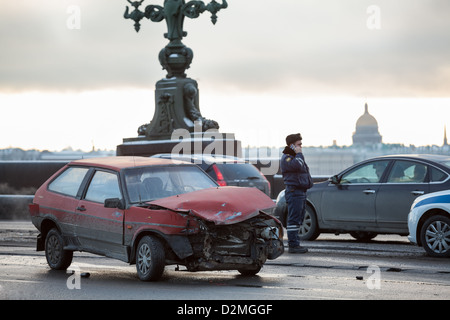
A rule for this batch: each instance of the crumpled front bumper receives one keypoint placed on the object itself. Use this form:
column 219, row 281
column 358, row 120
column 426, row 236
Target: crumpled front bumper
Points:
column 241, row 245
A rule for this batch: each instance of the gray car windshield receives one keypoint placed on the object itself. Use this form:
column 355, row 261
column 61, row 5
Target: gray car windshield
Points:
column 150, row 183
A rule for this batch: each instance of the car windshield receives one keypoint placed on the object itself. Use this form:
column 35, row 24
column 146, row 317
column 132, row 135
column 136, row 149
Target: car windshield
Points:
column 156, row 182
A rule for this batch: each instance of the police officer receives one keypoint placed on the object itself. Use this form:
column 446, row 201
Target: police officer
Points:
column 297, row 180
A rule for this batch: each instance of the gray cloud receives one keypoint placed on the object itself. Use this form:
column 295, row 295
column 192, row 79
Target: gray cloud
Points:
column 323, row 46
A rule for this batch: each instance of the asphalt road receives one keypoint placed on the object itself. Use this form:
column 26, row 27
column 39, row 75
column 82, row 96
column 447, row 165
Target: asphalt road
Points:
column 336, row 267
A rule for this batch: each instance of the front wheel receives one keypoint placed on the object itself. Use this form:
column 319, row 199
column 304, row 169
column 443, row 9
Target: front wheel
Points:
column 250, row 271
column 57, row 257
column 435, row 236
column 150, row 259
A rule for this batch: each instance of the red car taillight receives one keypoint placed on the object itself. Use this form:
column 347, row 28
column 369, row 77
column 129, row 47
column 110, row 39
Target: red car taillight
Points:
column 220, row 180
column 33, row 208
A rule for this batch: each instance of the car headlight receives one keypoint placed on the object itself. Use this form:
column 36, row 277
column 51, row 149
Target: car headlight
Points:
column 270, row 233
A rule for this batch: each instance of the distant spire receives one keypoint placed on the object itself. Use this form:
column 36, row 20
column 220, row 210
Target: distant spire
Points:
column 366, row 108
column 445, row 136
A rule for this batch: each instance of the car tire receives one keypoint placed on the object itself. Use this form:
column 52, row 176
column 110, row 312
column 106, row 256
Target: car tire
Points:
column 150, row 259
column 57, row 257
column 363, row 236
column 435, row 236
column 250, row 271
column 309, row 229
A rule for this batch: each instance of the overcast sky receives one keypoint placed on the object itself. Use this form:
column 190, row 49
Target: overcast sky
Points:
column 284, row 64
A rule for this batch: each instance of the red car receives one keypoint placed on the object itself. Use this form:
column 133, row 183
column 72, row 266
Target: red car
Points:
column 153, row 212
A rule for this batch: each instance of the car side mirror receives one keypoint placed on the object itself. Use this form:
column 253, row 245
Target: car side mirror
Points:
column 113, row 203
column 334, row 179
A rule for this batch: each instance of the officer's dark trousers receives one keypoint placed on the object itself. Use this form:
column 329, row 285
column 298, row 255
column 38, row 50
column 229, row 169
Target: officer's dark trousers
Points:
column 296, row 202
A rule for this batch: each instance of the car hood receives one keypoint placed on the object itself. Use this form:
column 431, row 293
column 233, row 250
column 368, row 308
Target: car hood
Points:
column 224, row 205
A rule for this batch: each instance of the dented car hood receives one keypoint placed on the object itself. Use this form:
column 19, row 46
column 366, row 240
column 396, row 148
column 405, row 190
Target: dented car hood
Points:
column 224, row 205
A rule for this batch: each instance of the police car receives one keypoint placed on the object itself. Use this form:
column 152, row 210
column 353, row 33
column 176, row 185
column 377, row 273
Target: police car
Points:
column 429, row 223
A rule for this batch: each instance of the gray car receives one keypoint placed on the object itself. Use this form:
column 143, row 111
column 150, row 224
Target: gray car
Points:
column 371, row 197
column 225, row 170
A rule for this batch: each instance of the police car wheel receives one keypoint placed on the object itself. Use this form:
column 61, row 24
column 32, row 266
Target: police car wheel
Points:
column 435, row 236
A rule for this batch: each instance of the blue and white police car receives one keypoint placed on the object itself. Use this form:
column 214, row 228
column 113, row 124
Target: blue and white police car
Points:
column 429, row 223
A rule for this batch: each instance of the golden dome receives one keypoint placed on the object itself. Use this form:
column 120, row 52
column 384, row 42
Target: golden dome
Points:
column 366, row 132
column 366, row 120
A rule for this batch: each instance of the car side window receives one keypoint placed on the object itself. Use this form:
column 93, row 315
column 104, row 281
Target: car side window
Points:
column 104, row 185
column 408, row 172
column 437, row 175
column 69, row 181
column 367, row 173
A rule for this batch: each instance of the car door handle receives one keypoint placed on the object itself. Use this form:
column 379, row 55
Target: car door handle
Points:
column 82, row 208
column 417, row 192
column 369, row 191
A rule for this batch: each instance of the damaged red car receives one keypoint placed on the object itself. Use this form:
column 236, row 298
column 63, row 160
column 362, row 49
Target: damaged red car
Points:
column 152, row 213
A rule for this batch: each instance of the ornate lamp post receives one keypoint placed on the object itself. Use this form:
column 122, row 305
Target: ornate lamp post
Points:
column 176, row 96
column 175, row 57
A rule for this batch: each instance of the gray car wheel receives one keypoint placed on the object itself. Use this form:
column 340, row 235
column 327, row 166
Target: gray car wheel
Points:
column 435, row 236
column 309, row 229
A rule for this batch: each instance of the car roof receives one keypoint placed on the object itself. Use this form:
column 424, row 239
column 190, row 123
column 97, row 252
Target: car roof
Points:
column 429, row 157
column 121, row 162
column 209, row 158
column 434, row 159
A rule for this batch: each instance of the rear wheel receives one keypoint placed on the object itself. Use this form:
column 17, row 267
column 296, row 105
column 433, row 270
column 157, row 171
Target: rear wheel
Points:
column 150, row 259
column 435, row 236
column 57, row 257
column 363, row 236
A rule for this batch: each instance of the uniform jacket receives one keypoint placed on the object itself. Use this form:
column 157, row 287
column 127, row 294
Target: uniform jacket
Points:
column 295, row 170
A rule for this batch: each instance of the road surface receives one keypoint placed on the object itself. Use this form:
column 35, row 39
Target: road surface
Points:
column 336, row 267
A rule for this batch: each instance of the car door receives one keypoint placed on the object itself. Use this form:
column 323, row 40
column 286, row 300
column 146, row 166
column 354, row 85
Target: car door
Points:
column 405, row 182
column 350, row 203
column 100, row 229
column 65, row 191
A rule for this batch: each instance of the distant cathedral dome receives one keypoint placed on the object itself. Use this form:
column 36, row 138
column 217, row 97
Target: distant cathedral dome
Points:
column 366, row 132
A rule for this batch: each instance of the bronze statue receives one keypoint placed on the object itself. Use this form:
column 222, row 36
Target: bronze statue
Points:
column 190, row 94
